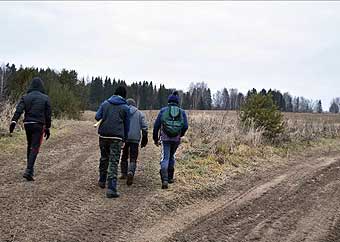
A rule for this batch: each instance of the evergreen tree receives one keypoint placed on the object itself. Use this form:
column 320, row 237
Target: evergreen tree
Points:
column 96, row 93
column 334, row 108
column 263, row 92
column 107, row 89
column 261, row 112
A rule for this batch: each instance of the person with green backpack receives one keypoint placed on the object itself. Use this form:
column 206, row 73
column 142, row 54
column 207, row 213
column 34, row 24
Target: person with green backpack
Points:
column 170, row 125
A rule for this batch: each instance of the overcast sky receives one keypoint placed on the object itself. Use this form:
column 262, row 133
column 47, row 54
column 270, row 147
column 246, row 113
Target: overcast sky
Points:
column 290, row 46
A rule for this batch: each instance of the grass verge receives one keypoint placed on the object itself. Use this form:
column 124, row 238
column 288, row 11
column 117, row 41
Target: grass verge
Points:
column 195, row 170
column 10, row 144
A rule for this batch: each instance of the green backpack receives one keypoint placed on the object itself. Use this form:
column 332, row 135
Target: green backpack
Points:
column 172, row 121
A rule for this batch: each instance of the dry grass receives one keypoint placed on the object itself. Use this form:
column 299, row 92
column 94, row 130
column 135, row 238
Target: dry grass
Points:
column 7, row 110
column 216, row 142
column 11, row 143
column 310, row 127
column 221, row 132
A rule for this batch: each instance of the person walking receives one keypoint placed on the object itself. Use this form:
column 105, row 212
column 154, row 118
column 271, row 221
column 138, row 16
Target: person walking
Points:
column 170, row 125
column 113, row 130
column 37, row 121
column 138, row 125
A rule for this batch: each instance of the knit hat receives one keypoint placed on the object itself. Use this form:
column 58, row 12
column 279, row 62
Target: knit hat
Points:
column 173, row 98
column 131, row 102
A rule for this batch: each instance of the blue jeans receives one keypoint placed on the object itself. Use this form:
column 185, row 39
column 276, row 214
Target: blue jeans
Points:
column 168, row 158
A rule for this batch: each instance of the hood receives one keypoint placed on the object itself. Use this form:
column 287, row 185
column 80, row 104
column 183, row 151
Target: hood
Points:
column 117, row 100
column 132, row 109
column 36, row 85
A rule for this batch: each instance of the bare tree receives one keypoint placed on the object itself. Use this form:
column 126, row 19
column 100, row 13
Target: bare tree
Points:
column 2, row 81
column 218, row 100
column 233, row 93
column 225, row 99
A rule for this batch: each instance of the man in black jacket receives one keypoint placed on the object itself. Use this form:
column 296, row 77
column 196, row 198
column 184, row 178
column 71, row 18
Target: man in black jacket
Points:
column 113, row 130
column 37, row 121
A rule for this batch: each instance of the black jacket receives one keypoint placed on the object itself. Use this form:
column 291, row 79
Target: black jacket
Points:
column 36, row 105
column 115, row 118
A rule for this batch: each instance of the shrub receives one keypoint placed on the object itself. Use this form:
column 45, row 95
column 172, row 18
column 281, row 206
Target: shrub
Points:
column 64, row 102
column 261, row 112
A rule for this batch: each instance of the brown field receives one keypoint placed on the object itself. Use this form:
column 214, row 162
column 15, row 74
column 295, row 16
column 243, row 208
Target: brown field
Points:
column 231, row 185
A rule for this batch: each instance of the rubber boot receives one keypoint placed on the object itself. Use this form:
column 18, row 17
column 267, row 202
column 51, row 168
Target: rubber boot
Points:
column 102, row 180
column 28, row 175
column 112, row 189
column 164, row 178
column 131, row 173
column 171, row 172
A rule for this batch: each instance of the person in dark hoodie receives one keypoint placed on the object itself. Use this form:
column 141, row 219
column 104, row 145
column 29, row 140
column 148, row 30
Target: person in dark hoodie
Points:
column 172, row 124
column 138, row 125
column 37, row 121
column 113, row 132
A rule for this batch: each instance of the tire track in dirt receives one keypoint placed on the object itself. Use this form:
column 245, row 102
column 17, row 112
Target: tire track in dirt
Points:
column 65, row 204
column 300, row 207
column 25, row 201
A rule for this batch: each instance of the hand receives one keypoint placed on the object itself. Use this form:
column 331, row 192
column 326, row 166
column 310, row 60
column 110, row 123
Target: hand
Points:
column 47, row 134
column 144, row 141
column 144, row 138
column 12, row 126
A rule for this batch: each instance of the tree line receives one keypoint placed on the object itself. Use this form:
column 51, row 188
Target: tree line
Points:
column 70, row 94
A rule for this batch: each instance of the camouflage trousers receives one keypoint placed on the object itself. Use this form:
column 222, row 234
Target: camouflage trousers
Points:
column 110, row 150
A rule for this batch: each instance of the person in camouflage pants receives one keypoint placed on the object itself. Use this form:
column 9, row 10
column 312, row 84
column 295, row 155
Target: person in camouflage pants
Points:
column 109, row 159
column 113, row 130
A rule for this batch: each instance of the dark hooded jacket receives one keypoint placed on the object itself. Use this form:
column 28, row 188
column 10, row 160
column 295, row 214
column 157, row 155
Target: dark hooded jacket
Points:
column 114, row 116
column 36, row 105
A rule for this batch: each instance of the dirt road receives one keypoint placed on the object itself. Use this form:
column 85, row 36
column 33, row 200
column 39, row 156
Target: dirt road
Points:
column 295, row 201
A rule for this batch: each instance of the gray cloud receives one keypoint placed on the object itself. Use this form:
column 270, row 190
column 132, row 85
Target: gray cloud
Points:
column 285, row 45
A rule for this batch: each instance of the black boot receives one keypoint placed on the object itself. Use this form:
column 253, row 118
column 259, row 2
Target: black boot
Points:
column 102, row 180
column 171, row 172
column 165, row 185
column 164, row 178
column 112, row 189
column 129, row 180
column 131, row 173
column 28, row 175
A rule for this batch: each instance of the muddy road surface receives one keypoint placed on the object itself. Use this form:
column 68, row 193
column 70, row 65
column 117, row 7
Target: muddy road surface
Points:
column 295, row 201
